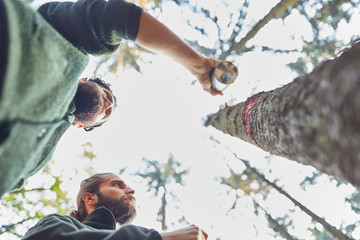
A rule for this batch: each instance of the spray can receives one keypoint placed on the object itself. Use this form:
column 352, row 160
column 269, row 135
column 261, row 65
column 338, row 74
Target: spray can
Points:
column 223, row 75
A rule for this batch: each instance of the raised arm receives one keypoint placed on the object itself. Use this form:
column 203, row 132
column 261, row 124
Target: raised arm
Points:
column 155, row 36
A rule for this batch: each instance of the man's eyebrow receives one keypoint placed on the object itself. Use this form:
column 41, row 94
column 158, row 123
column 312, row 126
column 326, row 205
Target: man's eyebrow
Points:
column 118, row 181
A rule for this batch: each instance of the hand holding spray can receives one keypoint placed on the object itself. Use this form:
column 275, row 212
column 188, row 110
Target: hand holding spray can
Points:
column 223, row 75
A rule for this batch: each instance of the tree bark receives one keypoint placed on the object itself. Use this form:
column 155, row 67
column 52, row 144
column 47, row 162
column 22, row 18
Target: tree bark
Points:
column 314, row 120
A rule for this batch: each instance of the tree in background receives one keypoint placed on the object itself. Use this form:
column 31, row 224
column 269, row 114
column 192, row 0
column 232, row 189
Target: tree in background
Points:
column 247, row 184
column 130, row 54
column 312, row 120
column 328, row 15
column 22, row 208
column 234, row 33
column 159, row 176
column 250, row 175
column 352, row 199
column 279, row 225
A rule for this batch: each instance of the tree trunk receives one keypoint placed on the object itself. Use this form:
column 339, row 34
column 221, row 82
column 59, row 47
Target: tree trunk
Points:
column 162, row 212
column 275, row 225
column 314, row 120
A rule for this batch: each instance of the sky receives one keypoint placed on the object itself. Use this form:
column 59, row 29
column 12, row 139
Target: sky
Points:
column 160, row 112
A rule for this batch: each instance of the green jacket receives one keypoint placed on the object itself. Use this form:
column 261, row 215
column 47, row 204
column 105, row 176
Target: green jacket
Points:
column 39, row 72
column 98, row 225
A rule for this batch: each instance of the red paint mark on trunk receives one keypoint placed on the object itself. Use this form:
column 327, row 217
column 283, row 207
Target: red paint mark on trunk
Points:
column 248, row 105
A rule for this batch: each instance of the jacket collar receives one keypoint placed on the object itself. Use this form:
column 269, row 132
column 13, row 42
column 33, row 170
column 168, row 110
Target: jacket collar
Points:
column 101, row 218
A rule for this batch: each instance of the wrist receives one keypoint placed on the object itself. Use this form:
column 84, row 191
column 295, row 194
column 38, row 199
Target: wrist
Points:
column 199, row 65
column 166, row 236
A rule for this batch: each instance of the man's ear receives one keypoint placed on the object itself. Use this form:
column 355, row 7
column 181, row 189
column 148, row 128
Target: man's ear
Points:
column 90, row 199
column 78, row 125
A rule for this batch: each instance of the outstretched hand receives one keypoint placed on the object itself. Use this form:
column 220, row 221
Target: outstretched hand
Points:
column 191, row 232
column 203, row 74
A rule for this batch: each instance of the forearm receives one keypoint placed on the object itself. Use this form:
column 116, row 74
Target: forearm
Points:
column 155, row 36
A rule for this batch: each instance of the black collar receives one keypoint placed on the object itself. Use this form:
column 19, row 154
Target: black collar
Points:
column 101, row 218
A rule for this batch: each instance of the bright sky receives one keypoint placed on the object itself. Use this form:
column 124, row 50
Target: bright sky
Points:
column 160, row 112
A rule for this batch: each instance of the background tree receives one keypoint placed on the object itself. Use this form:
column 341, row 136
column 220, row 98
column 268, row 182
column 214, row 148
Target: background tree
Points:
column 236, row 181
column 327, row 16
column 352, row 199
column 22, row 208
column 159, row 176
column 233, row 32
column 248, row 185
column 278, row 224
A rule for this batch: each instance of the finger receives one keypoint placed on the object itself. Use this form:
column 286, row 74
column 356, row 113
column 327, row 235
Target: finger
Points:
column 215, row 92
column 209, row 88
column 205, row 235
column 212, row 91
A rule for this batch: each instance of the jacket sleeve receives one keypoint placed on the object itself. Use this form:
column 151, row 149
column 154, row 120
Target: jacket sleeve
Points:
column 94, row 26
column 57, row 227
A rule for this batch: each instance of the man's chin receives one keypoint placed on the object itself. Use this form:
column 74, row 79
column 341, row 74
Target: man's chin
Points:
column 129, row 218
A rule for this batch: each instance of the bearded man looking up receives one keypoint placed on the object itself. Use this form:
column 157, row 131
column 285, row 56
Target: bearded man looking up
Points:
column 104, row 200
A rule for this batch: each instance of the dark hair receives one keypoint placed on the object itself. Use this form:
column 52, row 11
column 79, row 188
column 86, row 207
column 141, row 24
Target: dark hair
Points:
column 90, row 185
column 105, row 85
column 87, row 105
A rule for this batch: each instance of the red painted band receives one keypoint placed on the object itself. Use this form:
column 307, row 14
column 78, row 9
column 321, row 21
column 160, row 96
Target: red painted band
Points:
column 249, row 104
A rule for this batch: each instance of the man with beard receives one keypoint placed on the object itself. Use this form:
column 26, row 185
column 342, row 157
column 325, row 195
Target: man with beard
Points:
column 103, row 201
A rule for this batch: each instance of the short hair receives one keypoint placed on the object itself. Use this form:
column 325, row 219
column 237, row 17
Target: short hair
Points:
column 105, row 85
column 84, row 108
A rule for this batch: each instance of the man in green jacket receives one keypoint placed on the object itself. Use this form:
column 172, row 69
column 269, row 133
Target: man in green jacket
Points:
column 103, row 201
column 42, row 55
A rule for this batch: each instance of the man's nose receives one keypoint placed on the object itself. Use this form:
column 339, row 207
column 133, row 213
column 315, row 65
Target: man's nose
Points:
column 130, row 190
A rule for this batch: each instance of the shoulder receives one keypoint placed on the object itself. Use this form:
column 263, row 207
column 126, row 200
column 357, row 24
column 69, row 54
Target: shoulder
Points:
column 56, row 218
column 54, row 221
column 54, row 226
column 49, row 7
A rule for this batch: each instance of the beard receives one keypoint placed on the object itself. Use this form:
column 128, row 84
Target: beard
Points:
column 124, row 212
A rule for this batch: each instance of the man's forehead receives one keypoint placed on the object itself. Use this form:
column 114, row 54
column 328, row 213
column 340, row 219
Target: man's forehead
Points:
column 112, row 177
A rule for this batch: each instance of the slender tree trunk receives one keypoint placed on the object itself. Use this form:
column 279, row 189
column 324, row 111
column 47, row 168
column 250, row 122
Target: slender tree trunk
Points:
column 333, row 230
column 274, row 224
column 274, row 13
column 279, row 228
column 162, row 212
column 314, row 120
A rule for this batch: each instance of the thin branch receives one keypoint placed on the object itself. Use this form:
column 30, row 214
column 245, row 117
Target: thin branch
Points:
column 274, row 13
